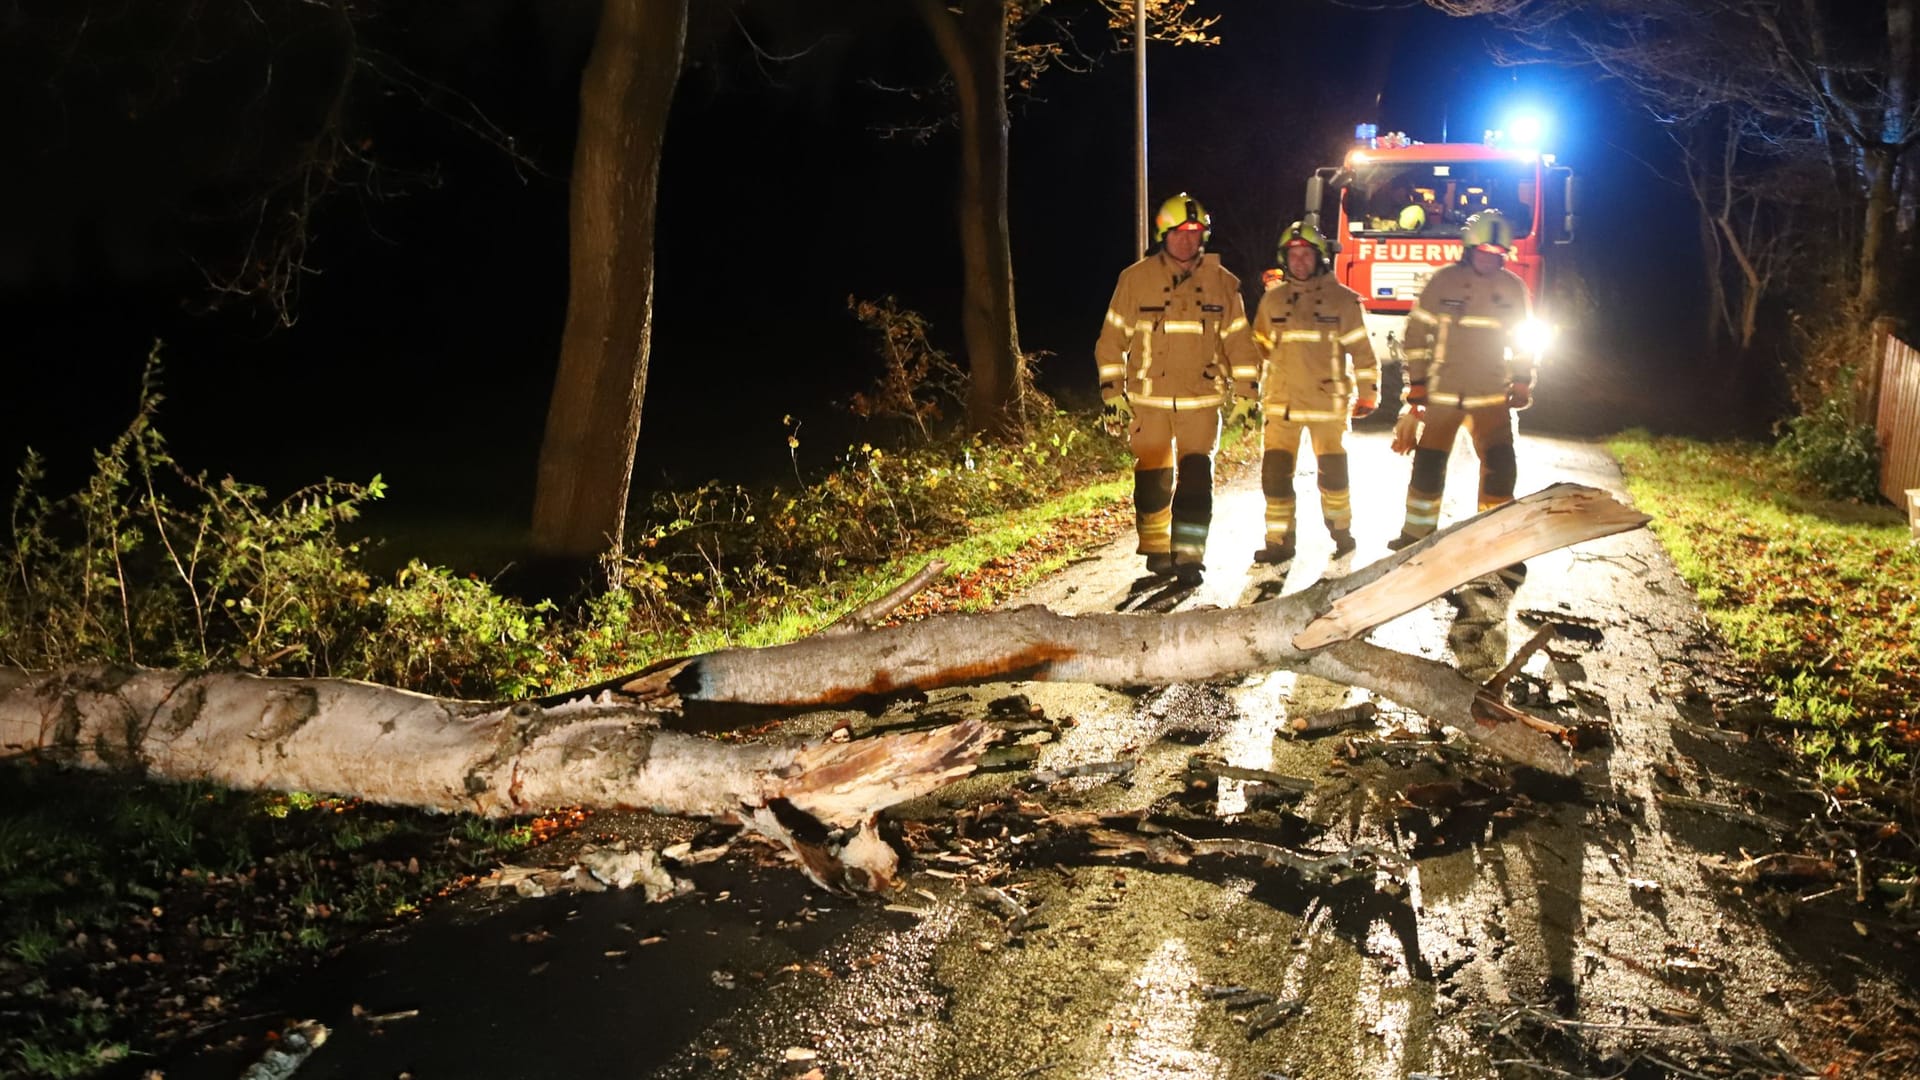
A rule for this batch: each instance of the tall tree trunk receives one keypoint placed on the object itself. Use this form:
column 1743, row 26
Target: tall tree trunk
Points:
column 1877, row 231
column 1901, row 58
column 1713, row 312
column 974, row 45
column 1909, row 200
column 593, row 418
column 1753, row 280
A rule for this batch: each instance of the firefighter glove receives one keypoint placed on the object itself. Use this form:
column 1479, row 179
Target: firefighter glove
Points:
column 1417, row 393
column 1364, row 405
column 1406, row 430
column 1519, row 395
column 1118, row 412
column 1245, row 410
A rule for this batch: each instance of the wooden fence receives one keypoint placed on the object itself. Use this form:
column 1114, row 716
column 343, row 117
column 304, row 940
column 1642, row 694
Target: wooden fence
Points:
column 1899, row 421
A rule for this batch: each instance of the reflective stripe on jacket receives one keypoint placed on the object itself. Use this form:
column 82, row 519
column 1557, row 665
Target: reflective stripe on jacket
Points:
column 1460, row 336
column 1173, row 340
column 1314, row 335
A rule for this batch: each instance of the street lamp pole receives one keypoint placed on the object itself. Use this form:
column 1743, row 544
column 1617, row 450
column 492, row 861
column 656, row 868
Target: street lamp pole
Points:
column 1140, row 127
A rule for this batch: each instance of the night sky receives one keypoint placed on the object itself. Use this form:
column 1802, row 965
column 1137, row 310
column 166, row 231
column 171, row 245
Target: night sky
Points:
column 426, row 343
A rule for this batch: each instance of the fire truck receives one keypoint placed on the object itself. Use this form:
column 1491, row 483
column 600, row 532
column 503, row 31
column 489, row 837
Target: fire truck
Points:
column 1400, row 205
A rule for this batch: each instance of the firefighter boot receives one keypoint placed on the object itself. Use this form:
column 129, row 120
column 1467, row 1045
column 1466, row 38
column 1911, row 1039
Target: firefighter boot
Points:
column 1336, row 504
column 1276, row 484
column 1496, row 489
column 1153, row 518
column 1424, row 489
column 1192, row 507
column 1274, row 554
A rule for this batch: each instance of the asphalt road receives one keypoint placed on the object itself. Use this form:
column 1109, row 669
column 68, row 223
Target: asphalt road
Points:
column 1536, row 926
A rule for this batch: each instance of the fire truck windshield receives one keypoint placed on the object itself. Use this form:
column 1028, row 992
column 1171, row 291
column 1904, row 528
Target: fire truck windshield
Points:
column 1429, row 198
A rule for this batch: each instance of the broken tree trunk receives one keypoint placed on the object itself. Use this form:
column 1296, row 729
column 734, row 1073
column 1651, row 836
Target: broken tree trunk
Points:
column 1130, row 649
column 604, row 747
column 397, row 747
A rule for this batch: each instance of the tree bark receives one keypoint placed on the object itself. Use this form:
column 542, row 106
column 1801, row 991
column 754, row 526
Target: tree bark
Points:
column 1900, row 63
column 1877, row 231
column 397, row 747
column 1715, row 312
column 1902, row 57
column 593, row 417
column 973, row 44
column 1310, row 631
column 603, row 746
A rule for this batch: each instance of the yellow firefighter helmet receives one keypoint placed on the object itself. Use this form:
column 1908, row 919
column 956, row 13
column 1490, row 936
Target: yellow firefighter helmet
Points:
column 1487, row 231
column 1301, row 234
column 1181, row 210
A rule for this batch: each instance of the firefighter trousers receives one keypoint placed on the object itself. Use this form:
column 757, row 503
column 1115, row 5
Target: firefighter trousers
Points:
column 1281, row 439
column 1172, row 512
column 1491, row 427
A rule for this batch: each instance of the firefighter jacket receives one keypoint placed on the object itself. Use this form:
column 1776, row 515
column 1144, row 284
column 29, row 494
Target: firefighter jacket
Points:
column 1461, row 336
column 1173, row 340
column 1314, row 335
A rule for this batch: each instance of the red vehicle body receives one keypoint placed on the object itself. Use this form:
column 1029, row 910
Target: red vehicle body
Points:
column 1399, row 212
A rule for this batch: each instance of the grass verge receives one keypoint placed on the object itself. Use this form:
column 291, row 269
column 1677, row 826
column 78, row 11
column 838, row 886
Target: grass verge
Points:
column 1007, row 553
column 1820, row 596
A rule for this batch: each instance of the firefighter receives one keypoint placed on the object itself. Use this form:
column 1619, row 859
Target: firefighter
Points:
column 1175, row 336
column 1404, row 208
column 1466, row 365
column 1320, row 374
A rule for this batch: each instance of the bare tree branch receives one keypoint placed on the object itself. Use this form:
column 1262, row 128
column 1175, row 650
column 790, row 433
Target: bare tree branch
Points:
column 1794, row 84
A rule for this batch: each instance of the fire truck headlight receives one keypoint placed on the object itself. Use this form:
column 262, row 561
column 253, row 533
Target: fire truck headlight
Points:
column 1534, row 337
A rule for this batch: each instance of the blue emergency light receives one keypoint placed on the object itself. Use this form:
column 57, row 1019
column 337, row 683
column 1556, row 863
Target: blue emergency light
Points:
column 1525, row 129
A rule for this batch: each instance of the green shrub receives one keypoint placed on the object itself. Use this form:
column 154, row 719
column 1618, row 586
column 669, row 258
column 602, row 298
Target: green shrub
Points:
column 1826, row 448
column 437, row 628
column 917, row 381
column 149, row 564
column 717, row 549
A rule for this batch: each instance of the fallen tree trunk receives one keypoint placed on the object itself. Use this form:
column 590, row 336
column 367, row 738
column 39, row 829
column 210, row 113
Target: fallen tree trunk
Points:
column 1308, row 631
column 604, row 746
column 398, row 747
